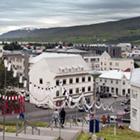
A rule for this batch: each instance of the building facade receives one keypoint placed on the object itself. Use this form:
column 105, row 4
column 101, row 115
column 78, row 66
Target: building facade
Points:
column 51, row 73
column 135, row 100
column 114, row 82
column 98, row 49
column 105, row 62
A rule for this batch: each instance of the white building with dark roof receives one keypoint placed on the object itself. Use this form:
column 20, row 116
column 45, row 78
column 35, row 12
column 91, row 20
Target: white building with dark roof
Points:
column 135, row 100
column 114, row 82
column 49, row 69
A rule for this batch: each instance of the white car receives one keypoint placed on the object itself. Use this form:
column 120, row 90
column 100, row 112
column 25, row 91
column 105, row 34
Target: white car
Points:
column 44, row 106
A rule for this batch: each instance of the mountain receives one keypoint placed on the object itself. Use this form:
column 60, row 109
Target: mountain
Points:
column 126, row 30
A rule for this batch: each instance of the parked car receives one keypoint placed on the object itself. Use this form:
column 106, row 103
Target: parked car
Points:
column 105, row 95
column 43, row 106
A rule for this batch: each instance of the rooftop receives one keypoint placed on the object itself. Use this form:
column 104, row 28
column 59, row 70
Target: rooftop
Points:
column 114, row 74
column 50, row 55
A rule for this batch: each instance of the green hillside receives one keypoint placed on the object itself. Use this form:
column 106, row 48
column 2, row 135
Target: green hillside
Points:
column 127, row 30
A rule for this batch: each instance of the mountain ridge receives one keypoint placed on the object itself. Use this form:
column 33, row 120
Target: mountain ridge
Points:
column 111, row 31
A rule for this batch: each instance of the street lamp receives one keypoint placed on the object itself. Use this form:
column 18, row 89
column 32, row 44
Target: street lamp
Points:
column 95, row 75
column 115, row 114
column 4, row 111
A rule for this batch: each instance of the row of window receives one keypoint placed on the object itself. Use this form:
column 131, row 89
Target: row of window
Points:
column 116, row 64
column 72, row 80
column 111, row 81
column 112, row 89
column 77, row 90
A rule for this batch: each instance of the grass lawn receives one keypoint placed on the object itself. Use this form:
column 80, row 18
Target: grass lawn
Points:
column 107, row 133
column 84, row 136
column 122, row 134
column 11, row 126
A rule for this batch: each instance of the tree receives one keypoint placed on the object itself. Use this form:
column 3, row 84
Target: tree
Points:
column 12, row 46
column 10, row 80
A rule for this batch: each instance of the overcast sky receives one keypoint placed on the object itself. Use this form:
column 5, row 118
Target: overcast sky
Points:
column 15, row 14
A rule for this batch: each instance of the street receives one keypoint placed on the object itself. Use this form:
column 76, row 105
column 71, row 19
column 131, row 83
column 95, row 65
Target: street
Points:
column 33, row 113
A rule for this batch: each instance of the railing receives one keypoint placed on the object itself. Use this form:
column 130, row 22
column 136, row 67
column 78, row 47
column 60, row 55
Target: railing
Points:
column 24, row 124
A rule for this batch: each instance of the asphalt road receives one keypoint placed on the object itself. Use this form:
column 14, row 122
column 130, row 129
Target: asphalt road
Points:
column 37, row 114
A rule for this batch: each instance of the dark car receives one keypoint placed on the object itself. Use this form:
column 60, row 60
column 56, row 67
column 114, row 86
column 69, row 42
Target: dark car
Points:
column 105, row 95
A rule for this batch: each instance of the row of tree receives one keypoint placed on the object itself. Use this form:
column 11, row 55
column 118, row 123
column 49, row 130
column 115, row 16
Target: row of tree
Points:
column 12, row 46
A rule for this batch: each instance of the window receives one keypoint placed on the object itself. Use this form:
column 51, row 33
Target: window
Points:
column 134, row 113
column 57, row 93
column 57, row 82
column 112, row 89
column 77, row 90
column 116, row 91
column 64, row 81
column 92, row 59
column 41, row 81
column 89, row 78
column 123, row 91
column 110, row 63
column 89, row 88
column 107, row 89
column 70, row 91
column 129, row 91
column 71, row 81
column 100, row 80
column 123, row 82
column 77, row 80
column 83, row 79
column 86, row 59
column 116, row 81
column 111, row 81
column 83, row 89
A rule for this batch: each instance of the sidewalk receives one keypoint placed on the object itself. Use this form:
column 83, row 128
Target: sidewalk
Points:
column 12, row 136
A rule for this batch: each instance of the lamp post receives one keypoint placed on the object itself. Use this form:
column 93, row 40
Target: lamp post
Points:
column 95, row 75
column 115, row 114
column 4, row 111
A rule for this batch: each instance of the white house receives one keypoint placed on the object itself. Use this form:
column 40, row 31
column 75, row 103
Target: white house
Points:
column 105, row 62
column 49, row 69
column 135, row 100
column 114, row 82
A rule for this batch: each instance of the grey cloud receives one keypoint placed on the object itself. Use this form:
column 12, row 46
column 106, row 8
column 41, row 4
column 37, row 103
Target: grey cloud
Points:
column 49, row 13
